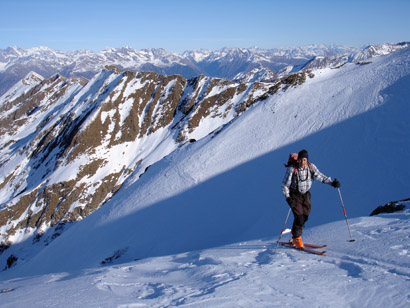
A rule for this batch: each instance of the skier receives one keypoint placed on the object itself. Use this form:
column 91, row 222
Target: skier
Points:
column 295, row 187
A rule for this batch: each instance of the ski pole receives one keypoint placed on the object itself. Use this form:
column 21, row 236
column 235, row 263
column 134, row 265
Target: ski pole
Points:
column 283, row 229
column 344, row 212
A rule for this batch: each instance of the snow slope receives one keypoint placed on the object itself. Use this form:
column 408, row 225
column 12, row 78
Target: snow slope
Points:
column 373, row 271
column 201, row 222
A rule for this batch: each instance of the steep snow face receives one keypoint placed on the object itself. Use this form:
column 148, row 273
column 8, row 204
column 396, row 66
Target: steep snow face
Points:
column 225, row 188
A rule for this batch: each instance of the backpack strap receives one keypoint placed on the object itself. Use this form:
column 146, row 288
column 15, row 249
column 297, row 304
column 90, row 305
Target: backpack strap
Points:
column 295, row 170
column 312, row 173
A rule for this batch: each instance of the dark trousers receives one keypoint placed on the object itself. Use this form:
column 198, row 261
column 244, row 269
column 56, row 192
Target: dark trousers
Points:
column 301, row 211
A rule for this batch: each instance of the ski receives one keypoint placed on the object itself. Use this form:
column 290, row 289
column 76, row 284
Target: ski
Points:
column 308, row 245
column 305, row 249
column 315, row 246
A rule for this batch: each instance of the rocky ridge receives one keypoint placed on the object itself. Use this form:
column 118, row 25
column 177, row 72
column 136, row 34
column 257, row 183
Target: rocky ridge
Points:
column 67, row 145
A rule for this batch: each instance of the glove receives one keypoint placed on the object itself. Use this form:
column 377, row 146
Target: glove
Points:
column 336, row 184
column 290, row 201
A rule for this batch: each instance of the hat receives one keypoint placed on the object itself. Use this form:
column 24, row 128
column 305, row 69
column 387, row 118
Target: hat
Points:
column 303, row 154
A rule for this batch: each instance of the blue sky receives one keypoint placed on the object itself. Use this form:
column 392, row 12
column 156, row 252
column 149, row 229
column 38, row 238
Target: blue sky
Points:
column 180, row 25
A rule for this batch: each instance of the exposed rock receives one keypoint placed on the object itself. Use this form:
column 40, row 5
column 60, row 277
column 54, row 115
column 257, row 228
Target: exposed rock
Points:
column 391, row 207
column 11, row 261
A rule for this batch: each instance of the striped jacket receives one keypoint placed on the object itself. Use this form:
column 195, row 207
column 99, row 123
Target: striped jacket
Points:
column 302, row 180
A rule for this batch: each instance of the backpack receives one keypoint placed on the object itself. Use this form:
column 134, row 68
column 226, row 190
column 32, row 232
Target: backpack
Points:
column 293, row 162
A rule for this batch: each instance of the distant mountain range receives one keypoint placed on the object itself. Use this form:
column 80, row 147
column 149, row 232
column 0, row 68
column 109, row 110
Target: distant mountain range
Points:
column 229, row 63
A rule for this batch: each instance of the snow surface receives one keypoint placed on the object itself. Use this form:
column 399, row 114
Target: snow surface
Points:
column 199, row 228
column 373, row 271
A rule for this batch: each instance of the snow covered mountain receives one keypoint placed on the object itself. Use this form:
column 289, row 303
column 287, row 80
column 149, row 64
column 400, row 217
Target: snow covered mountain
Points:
column 15, row 62
column 360, row 57
column 125, row 140
column 67, row 146
column 257, row 74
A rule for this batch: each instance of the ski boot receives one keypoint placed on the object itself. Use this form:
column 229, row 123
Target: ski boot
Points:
column 297, row 242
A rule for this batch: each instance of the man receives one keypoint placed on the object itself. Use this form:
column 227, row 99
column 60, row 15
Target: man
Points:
column 295, row 188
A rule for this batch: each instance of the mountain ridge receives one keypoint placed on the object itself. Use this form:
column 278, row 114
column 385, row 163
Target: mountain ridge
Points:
column 16, row 62
column 58, row 136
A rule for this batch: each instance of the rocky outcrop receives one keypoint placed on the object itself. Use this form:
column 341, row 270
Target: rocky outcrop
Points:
column 391, row 207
